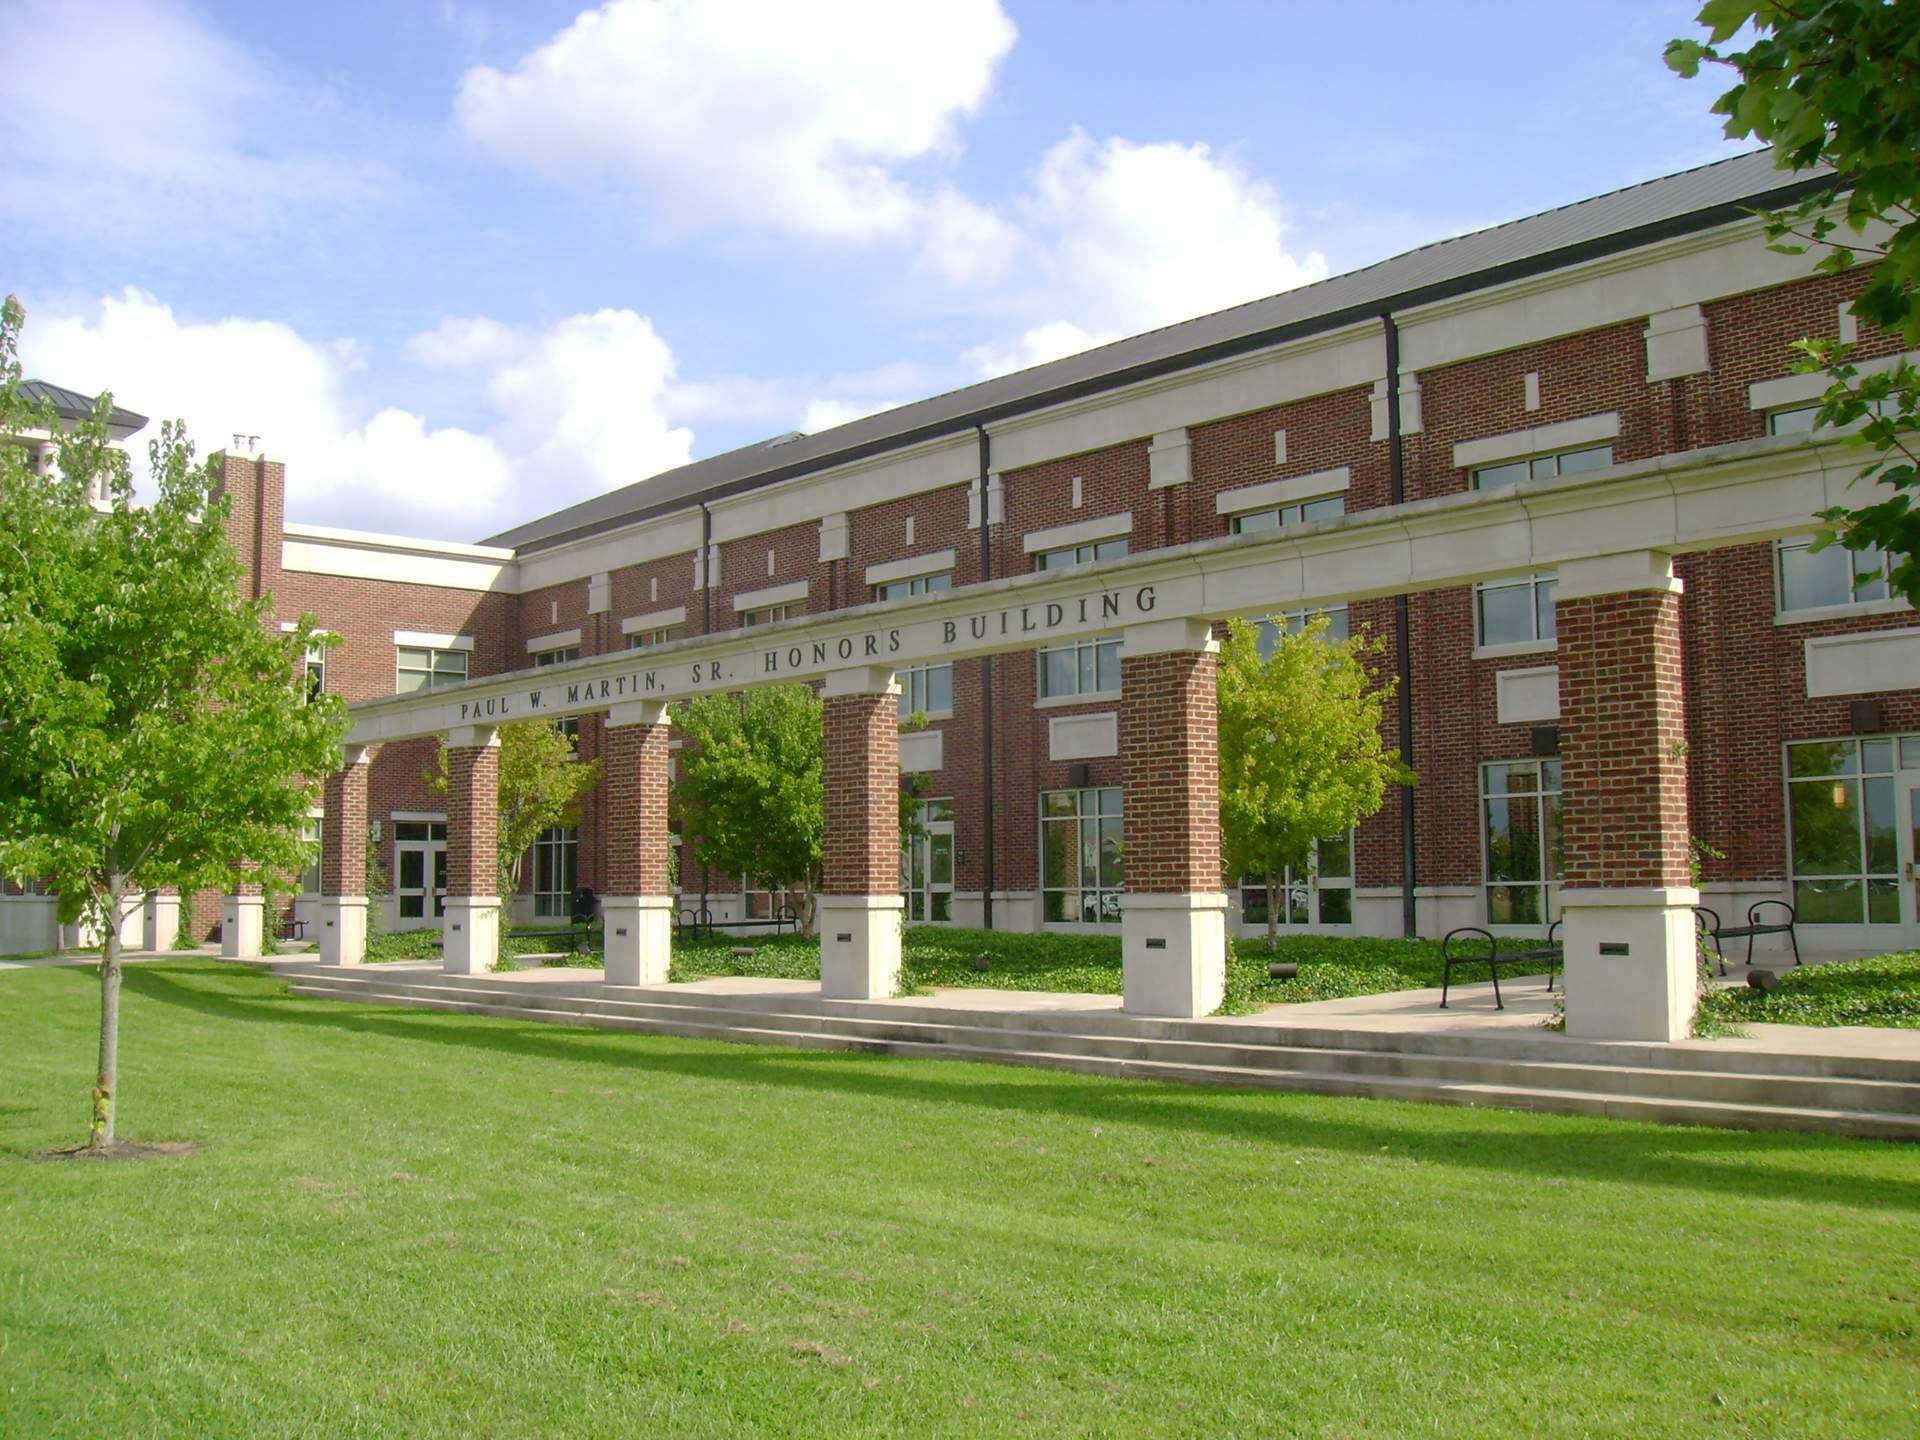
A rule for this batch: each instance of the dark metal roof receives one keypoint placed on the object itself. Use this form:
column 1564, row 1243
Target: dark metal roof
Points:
column 1640, row 214
column 72, row 405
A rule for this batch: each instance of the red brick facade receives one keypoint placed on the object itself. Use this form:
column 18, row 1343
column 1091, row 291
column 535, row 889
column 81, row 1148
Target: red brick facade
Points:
column 1169, row 709
column 343, row 843
column 473, row 819
column 634, row 793
column 861, row 847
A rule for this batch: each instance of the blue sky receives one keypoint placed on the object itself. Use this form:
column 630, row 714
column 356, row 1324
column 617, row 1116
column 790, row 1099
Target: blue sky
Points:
column 460, row 264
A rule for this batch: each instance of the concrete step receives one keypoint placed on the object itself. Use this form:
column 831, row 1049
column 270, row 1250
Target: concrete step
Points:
column 1319, row 1068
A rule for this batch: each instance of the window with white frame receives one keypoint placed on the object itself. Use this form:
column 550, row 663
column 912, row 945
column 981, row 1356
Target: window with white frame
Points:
column 1322, row 894
column 559, row 655
column 1282, row 517
column 422, row 668
column 642, row 639
column 1843, row 818
column 768, row 904
column 556, row 860
column 767, row 614
column 1294, row 621
column 926, row 690
column 1081, row 874
column 1812, row 579
column 1518, row 611
column 1543, row 467
column 1066, row 555
column 914, row 585
column 316, row 663
column 1520, row 836
column 310, row 838
column 926, row 865
column 1801, row 419
column 1086, row 667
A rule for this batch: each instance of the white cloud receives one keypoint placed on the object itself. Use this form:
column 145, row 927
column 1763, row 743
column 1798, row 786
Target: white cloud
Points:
column 826, row 414
column 577, row 409
column 1052, row 341
column 759, row 113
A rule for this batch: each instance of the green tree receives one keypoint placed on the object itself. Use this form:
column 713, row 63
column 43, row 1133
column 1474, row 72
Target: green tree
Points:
column 152, row 732
column 542, row 781
column 1301, row 756
column 1836, row 83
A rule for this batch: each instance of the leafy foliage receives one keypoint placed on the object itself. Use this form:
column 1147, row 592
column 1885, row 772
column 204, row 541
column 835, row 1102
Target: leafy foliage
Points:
column 1837, row 83
column 1884, row 990
column 542, row 781
column 1300, row 750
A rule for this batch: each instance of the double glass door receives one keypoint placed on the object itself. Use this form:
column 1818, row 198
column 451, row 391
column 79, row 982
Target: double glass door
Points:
column 928, row 866
column 420, row 872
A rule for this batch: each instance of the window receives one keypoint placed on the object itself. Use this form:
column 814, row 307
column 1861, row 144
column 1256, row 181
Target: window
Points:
column 1802, row 419
column 1543, row 467
column 556, row 859
column 1515, row 612
column 1086, row 667
column 915, row 585
column 1319, row 895
column 768, row 904
column 1813, row 580
column 926, row 690
column 1080, row 870
column 560, row 656
column 1113, row 549
column 1841, row 810
column 1296, row 620
column 316, row 667
column 423, row 669
column 641, row 639
column 310, row 837
column 926, row 865
column 1520, row 826
column 767, row 614
column 1324, row 507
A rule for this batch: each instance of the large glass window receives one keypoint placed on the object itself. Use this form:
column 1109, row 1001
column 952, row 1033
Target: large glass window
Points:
column 1086, row 667
column 310, row 837
column 1515, row 612
column 1801, row 419
column 425, row 669
column 1282, row 517
column 1812, row 580
column 1296, row 620
column 914, row 585
column 767, row 614
column 926, row 690
column 1543, row 467
column 1067, row 555
column 556, row 860
column 926, row 865
column 1080, row 864
column 1322, row 894
column 1841, row 809
column 1520, row 829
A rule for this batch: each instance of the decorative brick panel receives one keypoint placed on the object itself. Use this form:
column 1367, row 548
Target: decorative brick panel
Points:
column 343, row 833
column 1622, row 741
column 1170, row 751
column 634, row 803
column 862, row 763
column 473, row 819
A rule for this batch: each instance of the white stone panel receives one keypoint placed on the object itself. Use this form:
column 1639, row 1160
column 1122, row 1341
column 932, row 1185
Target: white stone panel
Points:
column 1863, row 664
column 1080, row 532
column 1083, row 737
column 1527, row 696
column 1290, row 491
column 1587, row 430
column 922, row 751
column 1169, row 460
column 1676, row 343
column 930, row 564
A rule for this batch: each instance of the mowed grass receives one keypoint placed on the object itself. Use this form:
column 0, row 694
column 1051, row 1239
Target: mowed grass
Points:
column 407, row 1223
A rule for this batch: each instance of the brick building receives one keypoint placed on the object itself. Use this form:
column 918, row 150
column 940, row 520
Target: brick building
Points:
column 1614, row 339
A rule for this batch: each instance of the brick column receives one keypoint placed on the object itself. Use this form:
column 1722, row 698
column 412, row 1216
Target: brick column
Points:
column 1627, row 896
column 343, row 861
column 243, row 912
column 637, row 908
column 472, row 935
column 860, row 903
column 1173, row 935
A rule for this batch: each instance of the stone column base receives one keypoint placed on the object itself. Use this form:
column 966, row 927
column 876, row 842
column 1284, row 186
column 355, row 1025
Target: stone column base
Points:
column 639, row 938
column 1632, row 969
column 343, row 929
column 471, row 937
column 860, row 946
column 1173, row 954
column 242, row 925
column 160, row 922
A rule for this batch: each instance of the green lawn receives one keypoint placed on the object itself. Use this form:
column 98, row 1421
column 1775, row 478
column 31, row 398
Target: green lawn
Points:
column 402, row 1222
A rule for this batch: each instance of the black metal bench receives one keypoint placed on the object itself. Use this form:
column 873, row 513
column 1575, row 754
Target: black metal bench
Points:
column 568, row 939
column 1707, row 920
column 1494, row 958
column 700, row 921
column 292, row 929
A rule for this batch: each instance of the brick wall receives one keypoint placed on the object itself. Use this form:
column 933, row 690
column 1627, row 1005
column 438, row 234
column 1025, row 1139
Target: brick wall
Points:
column 861, row 847
column 634, row 792
column 1170, row 744
column 473, row 786
column 343, row 836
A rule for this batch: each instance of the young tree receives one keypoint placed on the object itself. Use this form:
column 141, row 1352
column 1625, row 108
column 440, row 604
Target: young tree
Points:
column 152, row 730
column 1837, row 83
column 542, row 781
column 1301, row 756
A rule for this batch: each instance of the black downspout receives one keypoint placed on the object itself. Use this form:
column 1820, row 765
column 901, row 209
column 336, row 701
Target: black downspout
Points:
column 706, row 628
column 1402, row 634
column 986, row 694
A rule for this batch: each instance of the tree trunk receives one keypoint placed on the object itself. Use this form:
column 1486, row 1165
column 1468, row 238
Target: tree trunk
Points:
column 100, row 1132
column 1273, row 913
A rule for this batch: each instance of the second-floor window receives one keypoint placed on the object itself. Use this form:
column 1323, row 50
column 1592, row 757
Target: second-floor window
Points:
column 1282, row 517
column 424, row 669
column 1295, row 621
column 1543, row 467
column 557, row 656
column 767, row 614
column 1086, row 667
column 641, row 639
column 926, row 690
column 1800, row 419
column 316, row 668
column 914, row 585
column 1515, row 612
column 1113, row 549
column 1812, row 579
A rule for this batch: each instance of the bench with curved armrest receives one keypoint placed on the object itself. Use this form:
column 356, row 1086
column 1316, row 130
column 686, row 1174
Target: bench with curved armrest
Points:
column 1454, row 950
column 1707, row 920
column 699, row 921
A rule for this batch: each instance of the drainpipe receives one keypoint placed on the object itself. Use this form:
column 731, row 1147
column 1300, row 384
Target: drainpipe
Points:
column 706, row 628
column 1402, row 632
column 986, row 694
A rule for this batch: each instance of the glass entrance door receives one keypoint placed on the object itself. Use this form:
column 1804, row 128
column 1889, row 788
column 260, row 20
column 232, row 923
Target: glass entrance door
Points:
column 928, row 867
column 1909, row 840
column 420, row 872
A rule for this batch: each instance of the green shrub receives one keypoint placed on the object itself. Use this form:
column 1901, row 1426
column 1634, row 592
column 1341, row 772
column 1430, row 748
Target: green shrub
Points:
column 1884, row 990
